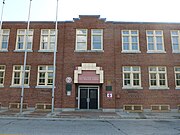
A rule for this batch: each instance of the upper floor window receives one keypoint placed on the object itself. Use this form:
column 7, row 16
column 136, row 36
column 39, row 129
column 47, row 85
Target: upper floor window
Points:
column 155, row 41
column 2, row 74
column 96, row 39
column 47, row 39
column 158, row 77
column 81, row 39
column 177, row 76
column 45, row 75
column 4, row 39
column 131, row 77
column 18, row 75
column 130, row 41
column 21, row 39
column 175, row 40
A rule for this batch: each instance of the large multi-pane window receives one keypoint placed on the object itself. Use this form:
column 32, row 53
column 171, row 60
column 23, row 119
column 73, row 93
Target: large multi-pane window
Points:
column 81, row 39
column 175, row 40
column 130, row 41
column 4, row 39
column 96, row 39
column 18, row 75
column 177, row 77
column 131, row 77
column 2, row 74
column 21, row 39
column 45, row 75
column 157, row 77
column 155, row 41
column 47, row 39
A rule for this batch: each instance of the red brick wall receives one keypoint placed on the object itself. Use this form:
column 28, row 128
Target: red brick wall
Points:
column 111, row 61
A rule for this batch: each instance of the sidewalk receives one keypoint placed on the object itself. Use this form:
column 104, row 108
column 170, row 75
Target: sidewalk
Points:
column 87, row 115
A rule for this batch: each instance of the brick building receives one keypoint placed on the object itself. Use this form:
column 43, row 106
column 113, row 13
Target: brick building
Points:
column 100, row 65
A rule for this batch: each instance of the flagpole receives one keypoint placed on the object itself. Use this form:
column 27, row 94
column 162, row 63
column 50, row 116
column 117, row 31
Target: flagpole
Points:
column 54, row 62
column 2, row 15
column 25, row 59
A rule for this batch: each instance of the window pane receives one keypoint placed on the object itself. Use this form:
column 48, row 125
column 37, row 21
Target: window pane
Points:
column 1, row 74
column 161, row 76
column 97, row 45
column 126, row 76
column 176, row 47
column 175, row 40
column 127, row 82
column 17, row 74
column 150, row 39
column 153, row 76
column 174, row 33
column 82, row 31
column 134, row 32
column 178, row 82
column 177, row 76
column 126, row 39
column 134, row 39
column 50, row 67
column 136, row 82
column 45, row 32
column 134, row 46
column 42, row 68
column 150, row 46
column 127, row 68
column 153, row 82
column 16, row 81
column 135, row 68
column 159, row 39
column 126, row 46
column 52, row 39
column 177, row 69
column 81, row 46
column 81, row 39
column 135, row 76
column 158, row 32
column 159, row 46
column 161, row 69
column 42, row 75
column 150, row 32
column 4, row 45
column 162, row 82
column 98, row 32
column 125, row 32
column 1, row 81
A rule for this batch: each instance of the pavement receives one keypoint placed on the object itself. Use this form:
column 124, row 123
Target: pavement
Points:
column 80, row 115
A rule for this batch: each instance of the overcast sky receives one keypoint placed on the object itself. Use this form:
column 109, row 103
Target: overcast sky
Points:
column 112, row 10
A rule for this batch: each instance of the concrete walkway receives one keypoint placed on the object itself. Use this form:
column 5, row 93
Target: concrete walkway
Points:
column 87, row 115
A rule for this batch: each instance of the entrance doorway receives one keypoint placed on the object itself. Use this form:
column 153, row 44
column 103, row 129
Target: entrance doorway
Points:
column 88, row 97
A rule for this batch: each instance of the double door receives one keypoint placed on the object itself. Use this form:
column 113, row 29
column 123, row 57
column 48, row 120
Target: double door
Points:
column 88, row 97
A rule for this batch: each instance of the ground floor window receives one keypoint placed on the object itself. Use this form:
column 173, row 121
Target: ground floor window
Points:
column 45, row 75
column 2, row 74
column 18, row 75
column 158, row 77
column 131, row 77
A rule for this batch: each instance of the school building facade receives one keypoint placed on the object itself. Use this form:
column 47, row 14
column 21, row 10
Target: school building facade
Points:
column 101, row 65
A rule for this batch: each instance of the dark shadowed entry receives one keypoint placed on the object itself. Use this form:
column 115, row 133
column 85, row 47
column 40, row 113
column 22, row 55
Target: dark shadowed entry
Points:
column 88, row 97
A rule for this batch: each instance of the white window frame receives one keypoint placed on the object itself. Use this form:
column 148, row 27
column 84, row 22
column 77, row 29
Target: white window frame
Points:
column 21, row 75
column 175, row 73
column 30, row 33
column 132, row 72
column 96, row 34
column 46, row 71
column 157, row 73
column 2, row 69
column 86, row 35
column 2, row 34
column 154, row 36
column 49, row 49
column 172, row 43
column 130, row 35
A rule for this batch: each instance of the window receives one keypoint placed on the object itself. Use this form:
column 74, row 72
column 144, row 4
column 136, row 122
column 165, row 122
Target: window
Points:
column 45, row 75
column 18, row 75
column 155, row 41
column 131, row 77
column 130, row 41
column 96, row 39
column 177, row 76
column 21, row 39
column 47, row 39
column 2, row 74
column 175, row 40
column 4, row 39
column 81, row 39
column 158, row 77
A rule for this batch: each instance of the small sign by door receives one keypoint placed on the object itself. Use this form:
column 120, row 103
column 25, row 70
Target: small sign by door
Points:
column 109, row 94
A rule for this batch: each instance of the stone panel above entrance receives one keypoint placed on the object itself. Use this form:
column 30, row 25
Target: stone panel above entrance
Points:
column 89, row 73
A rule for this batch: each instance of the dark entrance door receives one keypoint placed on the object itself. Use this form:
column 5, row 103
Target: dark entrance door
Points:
column 88, row 98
